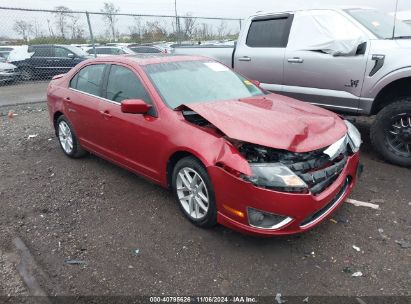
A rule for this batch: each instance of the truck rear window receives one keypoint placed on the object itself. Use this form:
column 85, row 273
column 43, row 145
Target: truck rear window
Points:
column 269, row 32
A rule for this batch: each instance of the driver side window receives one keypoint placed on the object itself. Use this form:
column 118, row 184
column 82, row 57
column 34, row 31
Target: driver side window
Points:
column 124, row 84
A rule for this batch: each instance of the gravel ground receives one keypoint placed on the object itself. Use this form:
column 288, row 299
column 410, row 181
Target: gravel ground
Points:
column 92, row 211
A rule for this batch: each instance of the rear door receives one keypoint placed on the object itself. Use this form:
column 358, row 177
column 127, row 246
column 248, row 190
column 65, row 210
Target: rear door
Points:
column 334, row 82
column 82, row 104
column 260, row 52
column 42, row 61
column 130, row 139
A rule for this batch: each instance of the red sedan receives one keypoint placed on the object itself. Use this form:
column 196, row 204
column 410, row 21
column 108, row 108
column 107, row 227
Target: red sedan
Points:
column 231, row 152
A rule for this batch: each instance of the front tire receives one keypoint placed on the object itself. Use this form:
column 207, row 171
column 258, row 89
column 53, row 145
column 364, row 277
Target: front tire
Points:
column 194, row 193
column 68, row 139
column 391, row 132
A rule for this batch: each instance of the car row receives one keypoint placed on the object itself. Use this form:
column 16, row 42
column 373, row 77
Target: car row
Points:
column 231, row 152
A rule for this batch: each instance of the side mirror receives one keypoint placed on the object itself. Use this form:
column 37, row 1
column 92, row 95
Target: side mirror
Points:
column 255, row 82
column 70, row 55
column 134, row 106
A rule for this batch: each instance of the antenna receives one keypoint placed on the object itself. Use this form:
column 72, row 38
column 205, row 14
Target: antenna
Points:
column 395, row 19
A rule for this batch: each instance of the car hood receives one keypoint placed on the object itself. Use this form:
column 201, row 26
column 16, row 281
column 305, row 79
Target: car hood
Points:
column 274, row 121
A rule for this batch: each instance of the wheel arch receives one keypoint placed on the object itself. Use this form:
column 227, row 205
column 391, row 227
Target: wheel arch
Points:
column 56, row 116
column 391, row 92
column 175, row 158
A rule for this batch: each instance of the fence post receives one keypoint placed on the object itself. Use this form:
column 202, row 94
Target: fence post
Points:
column 91, row 34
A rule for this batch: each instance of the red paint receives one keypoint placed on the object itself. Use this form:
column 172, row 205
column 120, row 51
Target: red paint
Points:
column 144, row 143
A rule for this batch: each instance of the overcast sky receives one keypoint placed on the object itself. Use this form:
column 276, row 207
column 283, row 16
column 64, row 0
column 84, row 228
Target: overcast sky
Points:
column 46, row 22
column 214, row 8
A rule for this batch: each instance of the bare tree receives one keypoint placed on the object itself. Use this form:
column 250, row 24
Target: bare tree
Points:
column 62, row 15
column 76, row 28
column 37, row 29
column 23, row 28
column 189, row 26
column 137, row 29
column 155, row 31
column 203, row 32
column 222, row 29
column 109, row 11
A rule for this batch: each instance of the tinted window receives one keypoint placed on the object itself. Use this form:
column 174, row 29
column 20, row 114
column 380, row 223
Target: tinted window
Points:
column 89, row 79
column 61, row 52
column 269, row 33
column 42, row 51
column 145, row 50
column 124, row 84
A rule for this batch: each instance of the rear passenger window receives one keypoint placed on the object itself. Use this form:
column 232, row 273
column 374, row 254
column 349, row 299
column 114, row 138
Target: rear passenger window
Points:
column 269, row 32
column 89, row 79
column 42, row 52
column 124, row 84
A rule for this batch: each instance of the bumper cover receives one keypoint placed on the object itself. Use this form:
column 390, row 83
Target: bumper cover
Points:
column 307, row 210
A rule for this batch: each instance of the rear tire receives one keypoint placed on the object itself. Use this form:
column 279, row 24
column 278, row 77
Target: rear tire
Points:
column 391, row 132
column 26, row 74
column 194, row 193
column 68, row 139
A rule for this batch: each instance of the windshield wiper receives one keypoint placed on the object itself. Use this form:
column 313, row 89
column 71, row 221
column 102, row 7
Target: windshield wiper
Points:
column 402, row 37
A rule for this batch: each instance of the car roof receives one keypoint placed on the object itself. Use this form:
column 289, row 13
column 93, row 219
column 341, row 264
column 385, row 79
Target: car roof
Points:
column 146, row 59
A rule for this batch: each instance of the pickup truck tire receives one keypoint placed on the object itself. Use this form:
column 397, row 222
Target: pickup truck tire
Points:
column 26, row 73
column 391, row 132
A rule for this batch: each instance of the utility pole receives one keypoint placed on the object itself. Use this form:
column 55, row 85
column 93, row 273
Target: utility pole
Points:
column 177, row 23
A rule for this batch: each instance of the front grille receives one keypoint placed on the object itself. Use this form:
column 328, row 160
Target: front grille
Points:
column 9, row 70
column 313, row 217
column 318, row 170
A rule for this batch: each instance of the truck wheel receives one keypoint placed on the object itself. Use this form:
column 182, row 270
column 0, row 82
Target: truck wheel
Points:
column 391, row 132
column 26, row 74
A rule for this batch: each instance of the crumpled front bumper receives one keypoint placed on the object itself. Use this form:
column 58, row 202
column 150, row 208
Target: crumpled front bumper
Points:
column 306, row 210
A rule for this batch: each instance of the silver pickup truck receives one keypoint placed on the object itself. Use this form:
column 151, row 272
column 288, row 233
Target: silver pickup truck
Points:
column 352, row 61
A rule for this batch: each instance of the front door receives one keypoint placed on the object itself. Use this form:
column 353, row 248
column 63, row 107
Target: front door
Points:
column 129, row 138
column 318, row 77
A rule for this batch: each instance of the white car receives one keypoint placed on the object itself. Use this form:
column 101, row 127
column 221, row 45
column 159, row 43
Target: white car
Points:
column 8, row 72
column 110, row 51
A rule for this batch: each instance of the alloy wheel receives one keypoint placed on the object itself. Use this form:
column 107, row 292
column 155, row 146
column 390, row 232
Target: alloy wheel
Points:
column 192, row 193
column 65, row 137
column 399, row 134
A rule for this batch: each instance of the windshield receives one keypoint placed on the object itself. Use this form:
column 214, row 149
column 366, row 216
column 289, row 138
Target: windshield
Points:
column 76, row 50
column 380, row 24
column 186, row 82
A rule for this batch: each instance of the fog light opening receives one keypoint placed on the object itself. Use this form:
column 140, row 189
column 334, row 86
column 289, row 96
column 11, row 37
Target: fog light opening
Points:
column 265, row 220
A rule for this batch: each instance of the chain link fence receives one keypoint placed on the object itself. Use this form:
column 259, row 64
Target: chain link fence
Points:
column 38, row 44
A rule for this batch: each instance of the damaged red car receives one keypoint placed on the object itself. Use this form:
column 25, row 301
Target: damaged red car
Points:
column 232, row 153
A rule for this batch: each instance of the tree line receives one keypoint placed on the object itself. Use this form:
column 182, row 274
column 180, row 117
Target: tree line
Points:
column 66, row 26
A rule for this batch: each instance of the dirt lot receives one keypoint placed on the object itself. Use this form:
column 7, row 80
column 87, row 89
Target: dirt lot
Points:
column 92, row 211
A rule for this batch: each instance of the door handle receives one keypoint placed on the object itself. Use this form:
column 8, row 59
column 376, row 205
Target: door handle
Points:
column 67, row 99
column 106, row 114
column 245, row 58
column 295, row 60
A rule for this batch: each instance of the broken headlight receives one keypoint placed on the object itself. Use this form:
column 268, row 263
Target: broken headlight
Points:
column 354, row 136
column 276, row 176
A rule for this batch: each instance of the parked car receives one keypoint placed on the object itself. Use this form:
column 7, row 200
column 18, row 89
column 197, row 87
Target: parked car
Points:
column 110, row 50
column 345, row 60
column 8, row 72
column 151, row 49
column 4, row 52
column 49, row 60
column 231, row 152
